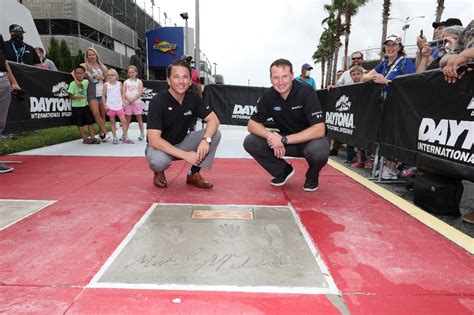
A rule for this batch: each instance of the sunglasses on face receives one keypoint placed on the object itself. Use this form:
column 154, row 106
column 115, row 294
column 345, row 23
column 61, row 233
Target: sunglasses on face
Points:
column 356, row 58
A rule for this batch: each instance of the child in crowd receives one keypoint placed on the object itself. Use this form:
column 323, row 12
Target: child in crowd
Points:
column 81, row 114
column 356, row 73
column 113, row 100
column 132, row 91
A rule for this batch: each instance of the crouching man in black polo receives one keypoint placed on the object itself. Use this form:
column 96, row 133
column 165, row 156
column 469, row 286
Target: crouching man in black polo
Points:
column 296, row 111
column 170, row 115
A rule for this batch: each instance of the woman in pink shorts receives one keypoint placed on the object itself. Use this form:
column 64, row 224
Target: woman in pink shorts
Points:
column 132, row 91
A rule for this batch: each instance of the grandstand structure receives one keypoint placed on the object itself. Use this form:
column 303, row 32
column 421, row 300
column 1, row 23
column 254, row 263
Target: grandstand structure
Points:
column 114, row 31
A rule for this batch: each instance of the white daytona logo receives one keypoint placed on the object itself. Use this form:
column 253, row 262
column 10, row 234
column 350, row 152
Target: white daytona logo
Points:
column 243, row 111
column 52, row 107
column 440, row 139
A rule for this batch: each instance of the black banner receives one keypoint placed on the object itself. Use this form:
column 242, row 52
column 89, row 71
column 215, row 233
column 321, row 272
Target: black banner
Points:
column 424, row 121
column 150, row 89
column 46, row 102
column 430, row 123
column 233, row 104
column 353, row 114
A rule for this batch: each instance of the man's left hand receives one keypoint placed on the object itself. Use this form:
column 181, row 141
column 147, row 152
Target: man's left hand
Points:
column 279, row 152
column 274, row 142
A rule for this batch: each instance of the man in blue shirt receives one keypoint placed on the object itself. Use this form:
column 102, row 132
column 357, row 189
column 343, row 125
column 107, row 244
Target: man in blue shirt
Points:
column 305, row 76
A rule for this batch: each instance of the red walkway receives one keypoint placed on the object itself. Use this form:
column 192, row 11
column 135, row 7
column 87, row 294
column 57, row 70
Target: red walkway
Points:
column 382, row 260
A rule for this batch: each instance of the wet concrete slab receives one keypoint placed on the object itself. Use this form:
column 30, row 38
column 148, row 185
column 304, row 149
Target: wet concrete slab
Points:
column 218, row 248
column 12, row 211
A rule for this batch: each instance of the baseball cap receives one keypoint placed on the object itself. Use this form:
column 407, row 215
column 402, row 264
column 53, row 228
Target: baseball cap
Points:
column 395, row 38
column 306, row 66
column 448, row 22
column 16, row 28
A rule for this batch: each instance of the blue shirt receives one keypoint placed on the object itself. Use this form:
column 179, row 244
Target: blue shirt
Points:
column 405, row 66
column 308, row 80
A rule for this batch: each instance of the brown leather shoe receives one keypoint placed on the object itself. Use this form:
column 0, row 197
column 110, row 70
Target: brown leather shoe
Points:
column 198, row 181
column 159, row 180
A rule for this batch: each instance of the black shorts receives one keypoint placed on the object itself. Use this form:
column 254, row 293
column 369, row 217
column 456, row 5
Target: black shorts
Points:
column 82, row 116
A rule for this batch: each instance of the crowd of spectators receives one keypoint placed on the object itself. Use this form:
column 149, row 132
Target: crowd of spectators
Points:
column 450, row 50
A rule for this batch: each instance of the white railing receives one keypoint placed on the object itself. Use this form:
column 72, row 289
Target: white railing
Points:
column 372, row 54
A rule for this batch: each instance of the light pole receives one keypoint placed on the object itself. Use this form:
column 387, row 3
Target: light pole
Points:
column 215, row 68
column 185, row 16
column 166, row 16
column 197, row 53
column 406, row 25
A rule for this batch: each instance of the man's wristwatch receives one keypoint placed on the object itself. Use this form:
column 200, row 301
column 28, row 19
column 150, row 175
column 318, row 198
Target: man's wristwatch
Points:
column 207, row 139
column 284, row 140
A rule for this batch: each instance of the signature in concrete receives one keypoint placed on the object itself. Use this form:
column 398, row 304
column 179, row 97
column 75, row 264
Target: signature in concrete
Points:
column 232, row 261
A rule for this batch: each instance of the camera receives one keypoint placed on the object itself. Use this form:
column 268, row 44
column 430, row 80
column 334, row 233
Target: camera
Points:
column 435, row 44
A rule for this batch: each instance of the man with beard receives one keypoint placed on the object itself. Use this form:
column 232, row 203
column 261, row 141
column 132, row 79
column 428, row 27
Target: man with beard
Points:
column 17, row 50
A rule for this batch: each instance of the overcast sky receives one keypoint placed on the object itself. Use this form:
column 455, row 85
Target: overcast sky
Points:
column 243, row 37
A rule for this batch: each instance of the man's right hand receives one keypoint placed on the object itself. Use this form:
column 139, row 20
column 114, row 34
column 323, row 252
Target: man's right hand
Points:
column 421, row 41
column 192, row 158
column 14, row 87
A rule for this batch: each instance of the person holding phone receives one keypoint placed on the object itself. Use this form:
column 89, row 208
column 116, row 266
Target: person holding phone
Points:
column 438, row 33
column 449, row 37
column 462, row 54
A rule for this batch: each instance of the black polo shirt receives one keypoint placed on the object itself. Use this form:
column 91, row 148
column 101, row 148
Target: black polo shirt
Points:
column 300, row 110
column 3, row 68
column 24, row 53
column 174, row 119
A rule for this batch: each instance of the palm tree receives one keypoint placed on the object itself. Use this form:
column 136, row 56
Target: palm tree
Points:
column 322, row 53
column 334, row 23
column 330, row 31
column 385, row 15
column 350, row 9
column 319, row 57
column 439, row 11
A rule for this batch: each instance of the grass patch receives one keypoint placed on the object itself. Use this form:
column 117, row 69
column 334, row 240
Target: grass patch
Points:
column 39, row 138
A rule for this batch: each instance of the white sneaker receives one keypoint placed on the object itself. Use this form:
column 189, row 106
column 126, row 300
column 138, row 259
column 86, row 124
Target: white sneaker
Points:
column 388, row 174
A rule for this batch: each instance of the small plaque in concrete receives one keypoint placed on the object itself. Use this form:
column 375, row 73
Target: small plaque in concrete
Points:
column 215, row 214
column 12, row 211
column 169, row 249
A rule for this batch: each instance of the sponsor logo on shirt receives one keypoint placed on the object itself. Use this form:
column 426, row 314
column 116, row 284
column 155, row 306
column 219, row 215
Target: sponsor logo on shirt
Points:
column 277, row 108
column 189, row 112
column 297, row 107
column 170, row 108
